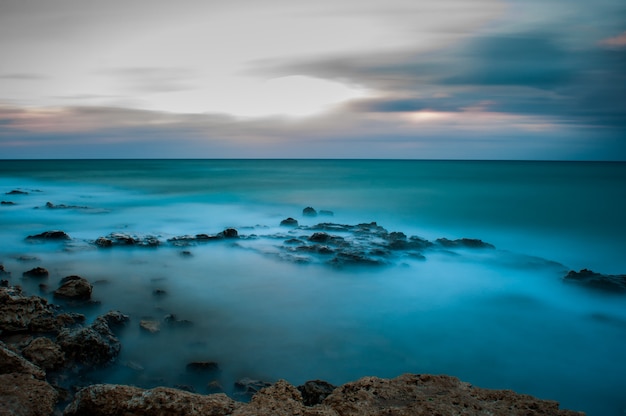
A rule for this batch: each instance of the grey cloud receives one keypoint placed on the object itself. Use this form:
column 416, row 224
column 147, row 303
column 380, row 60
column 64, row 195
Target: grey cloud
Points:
column 22, row 76
column 151, row 79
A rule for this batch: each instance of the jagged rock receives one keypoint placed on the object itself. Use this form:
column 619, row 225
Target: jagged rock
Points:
column 309, row 212
column 150, row 325
column 315, row 391
column 279, row 399
column 247, row 387
column 16, row 192
column 23, row 395
column 121, row 239
column 10, row 362
column 24, row 313
column 45, row 353
column 74, row 288
column 463, row 243
column 50, row 235
column 606, row 282
column 114, row 400
column 39, row 272
column 202, row 366
column 94, row 345
column 289, row 222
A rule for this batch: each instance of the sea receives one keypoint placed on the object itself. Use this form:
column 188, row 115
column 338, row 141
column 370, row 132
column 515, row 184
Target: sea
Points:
column 501, row 317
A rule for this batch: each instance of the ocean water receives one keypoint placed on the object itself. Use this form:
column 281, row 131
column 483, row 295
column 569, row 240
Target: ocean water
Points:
column 498, row 318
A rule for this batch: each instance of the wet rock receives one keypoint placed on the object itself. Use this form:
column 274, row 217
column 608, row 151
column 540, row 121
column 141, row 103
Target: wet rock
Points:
column 38, row 272
column 355, row 258
column 23, row 395
column 50, row 235
column 289, row 222
column 172, row 320
column 309, row 212
column 94, row 345
column 16, row 192
column 7, row 203
column 45, row 353
column 104, row 242
column 463, row 243
column 74, row 288
column 315, row 391
column 159, row 292
column 11, row 362
column 50, row 205
column 24, row 313
column 3, row 272
column 4, row 283
column 279, row 399
column 247, row 387
column 150, row 326
column 229, row 233
column 114, row 400
column 591, row 279
column 292, row 241
column 214, row 386
column 202, row 366
column 121, row 239
column 326, row 213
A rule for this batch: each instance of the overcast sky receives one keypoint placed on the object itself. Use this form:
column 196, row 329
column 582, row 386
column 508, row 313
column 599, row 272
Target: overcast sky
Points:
column 445, row 79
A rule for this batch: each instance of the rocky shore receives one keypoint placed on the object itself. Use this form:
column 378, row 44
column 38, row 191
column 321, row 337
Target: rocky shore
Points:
column 44, row 352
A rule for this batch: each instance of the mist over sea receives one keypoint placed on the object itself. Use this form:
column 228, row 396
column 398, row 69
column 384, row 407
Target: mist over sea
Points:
column 498, row 318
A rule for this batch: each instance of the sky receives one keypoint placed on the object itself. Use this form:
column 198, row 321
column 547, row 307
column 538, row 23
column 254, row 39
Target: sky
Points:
column 416, row 79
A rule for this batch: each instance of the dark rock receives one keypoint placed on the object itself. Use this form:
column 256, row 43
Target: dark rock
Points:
column 50, row 235
column 150, row 325
column 202, row 366
column 45, row 353
column 186, row 253
column 172, row 320
column 23, row 395
column 159, row 292
column 7, row 203
column 121, row 239
column 326, row 213
column 320, row 237
column 247, row 387
column 74, row 288
column 94, row 345
column 21, row 313
column 114, row 400
column 355, row 258
column 309, row 212
column 289, row 222
column 294, row 241
column 104, row 242
column 11, row 362
column 16, row 192
column 36, row 272
column 463, row 243
column 229, row 233
column 50, row 205
column 606, row 282
column 315, row 391
column 185, row 387
column 4, row 283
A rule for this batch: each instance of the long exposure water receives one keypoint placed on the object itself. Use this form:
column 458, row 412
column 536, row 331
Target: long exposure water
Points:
column 498, row 318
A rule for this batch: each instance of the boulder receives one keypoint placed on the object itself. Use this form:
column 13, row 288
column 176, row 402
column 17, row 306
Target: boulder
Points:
column 45, row 353
column 7, row 203
column 3, row 272
column 315, row 391
column 121, row 239
column 309, row 212
column 150, row 326
column 591, row 279
column 94, row 345
column 289, row 222
column 74, row 288
column 10, row 362
column 50, row 235
column 24, row 313
column 114, row 400
column 279, row 399
column 38, row 272
column 229, row 233
column 23, row 395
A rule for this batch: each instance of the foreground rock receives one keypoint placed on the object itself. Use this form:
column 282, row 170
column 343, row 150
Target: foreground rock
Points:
column 23, row 395
column 606, row 282
column 406, row 395
column 74, row 288
column 19, row 313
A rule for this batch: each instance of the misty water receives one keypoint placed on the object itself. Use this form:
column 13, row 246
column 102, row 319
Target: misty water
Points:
column 498, row 318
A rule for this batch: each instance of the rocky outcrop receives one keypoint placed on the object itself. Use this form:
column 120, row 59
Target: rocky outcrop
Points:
column 463, row 243
column 606, row 282
column 50, row 235
column 94, row 345
column 11, row 362
column 19, row 313
column 38, row 272
column 121, row 239
column 23, row 395
column 315, row 391
column 406, row 395
column 109, row 400
column 16, row 192
column 289, row 222
column 45, row 353
column 74, row 288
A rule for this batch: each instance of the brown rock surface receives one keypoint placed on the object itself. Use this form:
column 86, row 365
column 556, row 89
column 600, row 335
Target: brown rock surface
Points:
column 45, row 353
column 23, row 395
column 22, row 313
column 74, row 287
column 11, row 362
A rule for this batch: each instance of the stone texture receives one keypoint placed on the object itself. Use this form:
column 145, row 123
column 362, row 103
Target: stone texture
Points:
column 24, row 313
column 23, row 395
column 74, row 288
column 45, row 353
column 10, row 362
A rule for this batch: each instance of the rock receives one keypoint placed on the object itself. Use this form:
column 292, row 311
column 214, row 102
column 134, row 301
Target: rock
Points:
column 280, row 399
column 114, row 400
column 229, row 233
column 104, row 242
column 355, row 258
column 3, row 272
column 309, row 212
column 23, row 395
column 74, row 288
column 50, row 205
column 45, row 353
column 326, row 213
column 159, row 292
column 94, row 345
column 22, row 313
column 202, row 366
column 7, row 203
column 121, row 239
column 172, row 320
column 10, row 362
column 38, row 272
column 50, row 235
column 606, row 282
column 315, row 391
column 4, row 283
column 16, row 192
column 463, row 243
column 149, row 325
column 247, row 387
column 289, row 222
column 214, row 386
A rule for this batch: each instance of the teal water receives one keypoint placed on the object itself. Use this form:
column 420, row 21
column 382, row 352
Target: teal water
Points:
column 500, row 318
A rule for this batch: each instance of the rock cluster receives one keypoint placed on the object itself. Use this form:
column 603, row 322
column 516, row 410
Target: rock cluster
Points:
column 605, row 282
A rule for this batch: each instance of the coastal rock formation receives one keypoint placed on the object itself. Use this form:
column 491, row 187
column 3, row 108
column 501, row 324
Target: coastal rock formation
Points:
column 45, row 353
column 309, row 212
column 606, row 282
column 16, row 192
column 315, row 391
column 463, row 243
column 289, row 222
column 74, row 288
column 23, row 395
column 50, row 235
column 406, row 395
column 19, row 313
column 7, row 203
column 39, row 272
column 121, row 239
column 11, row 362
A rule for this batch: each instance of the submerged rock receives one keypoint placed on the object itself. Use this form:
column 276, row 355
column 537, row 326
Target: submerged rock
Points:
column 247, row 387
column 50, row 235
column 150, row 326
column 463, row 243
column 38, row 272
column 309, row 212
column 74, row 288
column 326, row 212
column 606, row 282
column 315, row 391
column 7, row 203
column 202, row 366
column 121, row 239
column 289, row 222
column 16, row 192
